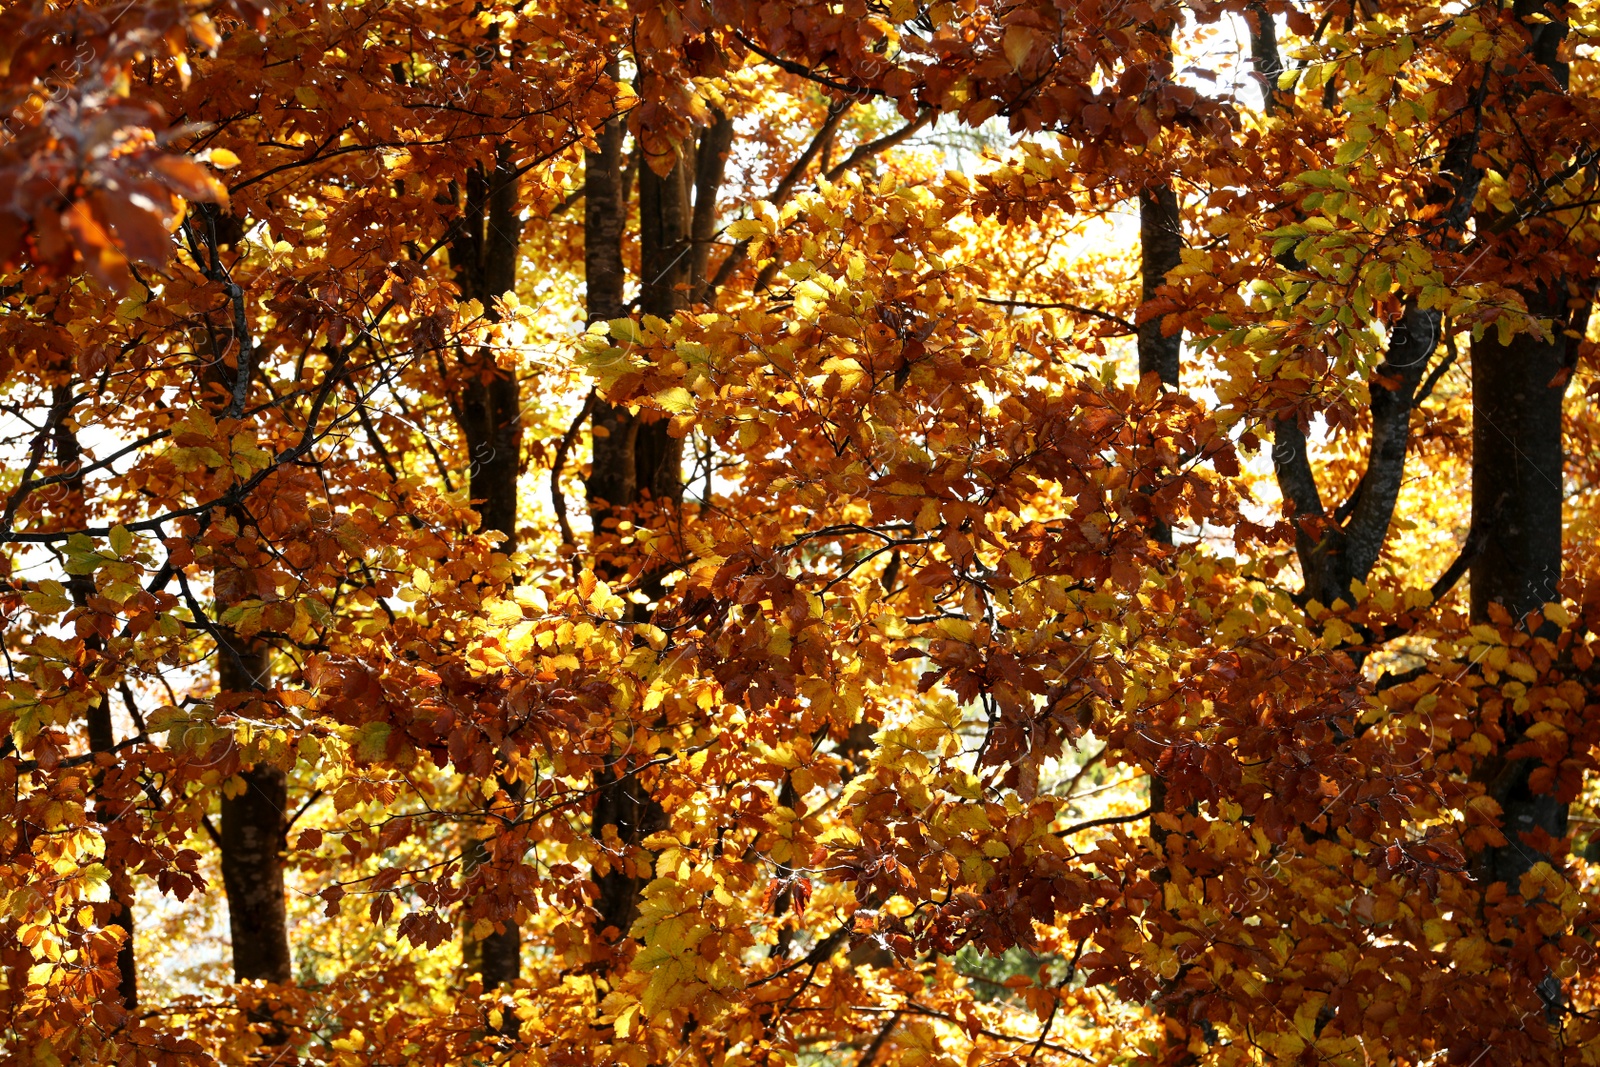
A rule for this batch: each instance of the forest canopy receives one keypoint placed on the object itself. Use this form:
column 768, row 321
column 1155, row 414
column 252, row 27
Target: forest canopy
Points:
column 866, row 533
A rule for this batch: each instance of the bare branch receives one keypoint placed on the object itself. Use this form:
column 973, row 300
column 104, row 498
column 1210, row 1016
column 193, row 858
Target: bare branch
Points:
column 783, row 190
column 864, row 152
column 1109, row 820
column 557, row 497
column 1053, row 305
column 803, row 71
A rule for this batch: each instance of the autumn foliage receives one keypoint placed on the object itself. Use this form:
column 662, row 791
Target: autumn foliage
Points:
column 715, row 533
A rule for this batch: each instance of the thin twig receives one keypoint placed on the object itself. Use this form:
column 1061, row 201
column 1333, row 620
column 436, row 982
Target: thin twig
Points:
column 1058, row 306
column 557, row 497
column 1109, row 820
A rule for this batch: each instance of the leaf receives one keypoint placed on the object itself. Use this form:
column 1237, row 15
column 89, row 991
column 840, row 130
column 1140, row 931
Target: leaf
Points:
column 1018, row 44
column 372, row 741
column 675, row 399
column 94, row 244
column 190, row 180
column 121, row 541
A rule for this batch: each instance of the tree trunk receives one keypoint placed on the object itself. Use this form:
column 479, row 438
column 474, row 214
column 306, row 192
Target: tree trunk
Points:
column 635, row 459
column 69, row 455
column 1161, row 238
column 484, row 257
column 252, row 837
column 664, row 273
column 1517, row 393
column 106, row 812
column 1517, row 390
column 611, row 482
column 711, row 159
column 1160, row 244
column 253, row 824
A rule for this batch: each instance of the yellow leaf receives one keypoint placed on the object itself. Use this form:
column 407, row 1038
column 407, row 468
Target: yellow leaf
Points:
column 1018, row 42
column 676, row 399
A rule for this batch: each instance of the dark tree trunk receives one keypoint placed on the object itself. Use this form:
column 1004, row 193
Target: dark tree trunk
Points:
column 1517, row 390
column 624, row 803
column 635, row 458
column 1517, row 393
column 253, row 825
column 69, row 455
column 1161, row 238
column 711, row 159
column 636, row 461
column 1342, row 546
column 1264, row 55
column 484, row 255
column 1337, row 549
column 664, row 273
column 252, row 837
column 611, row 481
column 107, row 812
column 1160, row 244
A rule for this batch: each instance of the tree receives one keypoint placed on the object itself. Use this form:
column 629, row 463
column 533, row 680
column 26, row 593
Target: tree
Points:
column 932, row 673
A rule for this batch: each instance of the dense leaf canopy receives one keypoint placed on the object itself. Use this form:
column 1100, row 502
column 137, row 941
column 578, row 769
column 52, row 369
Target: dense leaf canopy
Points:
column 697, row 532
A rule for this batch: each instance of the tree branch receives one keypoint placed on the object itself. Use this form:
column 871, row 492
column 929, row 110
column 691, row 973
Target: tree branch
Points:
column 1053, row 305
column 803, row 71
column 783, row 190
column 864, row 152
column 1109, row 820
column 870, row 1053
column 557, row 498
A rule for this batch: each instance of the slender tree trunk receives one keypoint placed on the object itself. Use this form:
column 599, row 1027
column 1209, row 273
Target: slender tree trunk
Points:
column 490, row 400
column 1160, row 247
column 107, row 811
column 611, row 484
column 711, row 159
column 636, row 460
column 1160, row 244
column 665, row 263
column 1517, row 392
column 251, row 838
column 254, row 822
column 102, row 738
column 1161, row 239
column 484, row 257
